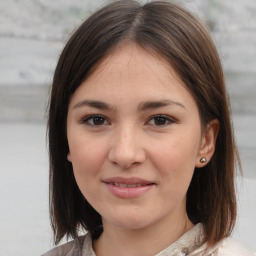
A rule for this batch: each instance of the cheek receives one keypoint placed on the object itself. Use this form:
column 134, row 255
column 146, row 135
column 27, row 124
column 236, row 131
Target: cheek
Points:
column 87, row 164
column 87, row 158
column 175, row 160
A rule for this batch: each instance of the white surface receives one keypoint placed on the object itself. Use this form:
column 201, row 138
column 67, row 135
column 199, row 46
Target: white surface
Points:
column 246, row 222
column 24, row 219
column 24, row 215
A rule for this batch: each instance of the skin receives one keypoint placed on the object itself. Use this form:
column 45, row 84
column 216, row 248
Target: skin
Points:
column 129, row 139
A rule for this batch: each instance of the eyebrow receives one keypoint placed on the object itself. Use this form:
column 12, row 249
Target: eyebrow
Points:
column 158, row 104
column 93, row 104
column 143, row 106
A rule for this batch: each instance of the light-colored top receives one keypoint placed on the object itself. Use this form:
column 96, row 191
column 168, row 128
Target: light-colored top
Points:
column 189, row 244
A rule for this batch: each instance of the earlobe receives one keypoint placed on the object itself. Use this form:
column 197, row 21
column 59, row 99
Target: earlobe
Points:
column 69, row 157
column 208, row 142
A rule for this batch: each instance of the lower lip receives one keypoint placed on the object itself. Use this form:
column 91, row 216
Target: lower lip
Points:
column 128, row 193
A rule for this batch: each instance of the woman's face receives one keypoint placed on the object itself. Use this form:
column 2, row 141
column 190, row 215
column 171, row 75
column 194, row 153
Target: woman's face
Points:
column 134, row 136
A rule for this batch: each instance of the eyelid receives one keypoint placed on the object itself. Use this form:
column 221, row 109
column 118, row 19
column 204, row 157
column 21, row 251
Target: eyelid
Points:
column 168, row 118
column 85, row 120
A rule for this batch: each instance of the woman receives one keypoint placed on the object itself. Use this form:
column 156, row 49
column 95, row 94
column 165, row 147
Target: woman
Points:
column 141, row 147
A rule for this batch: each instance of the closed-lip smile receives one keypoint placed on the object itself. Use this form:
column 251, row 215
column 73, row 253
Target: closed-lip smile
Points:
column 128, row 188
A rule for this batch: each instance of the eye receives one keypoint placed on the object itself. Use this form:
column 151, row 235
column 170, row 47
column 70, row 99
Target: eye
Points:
column 95, row 120
column 160, row 120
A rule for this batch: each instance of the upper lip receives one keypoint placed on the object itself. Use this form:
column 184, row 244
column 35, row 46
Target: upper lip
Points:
column 129, row 181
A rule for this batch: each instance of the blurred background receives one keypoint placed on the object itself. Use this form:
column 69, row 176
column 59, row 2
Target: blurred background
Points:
column 32, row 34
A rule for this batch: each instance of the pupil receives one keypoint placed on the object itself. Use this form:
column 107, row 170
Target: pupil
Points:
column 160, row 120
column 97, row 120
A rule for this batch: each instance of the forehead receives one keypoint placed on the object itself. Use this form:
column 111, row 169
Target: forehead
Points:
column 130, row 61
column 130, row 74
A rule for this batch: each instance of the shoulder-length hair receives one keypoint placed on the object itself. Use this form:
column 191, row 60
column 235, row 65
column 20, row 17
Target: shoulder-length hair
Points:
column 175, row 34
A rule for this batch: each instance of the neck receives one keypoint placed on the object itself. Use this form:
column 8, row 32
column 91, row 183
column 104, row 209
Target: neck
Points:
column 140, row 242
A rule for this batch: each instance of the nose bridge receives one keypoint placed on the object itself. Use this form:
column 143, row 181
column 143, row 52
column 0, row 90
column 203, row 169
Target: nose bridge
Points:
column 126, row 148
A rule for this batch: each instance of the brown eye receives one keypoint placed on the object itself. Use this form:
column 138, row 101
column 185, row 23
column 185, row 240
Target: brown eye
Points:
column 160, row 120
column 95, row 120
column 98, row 120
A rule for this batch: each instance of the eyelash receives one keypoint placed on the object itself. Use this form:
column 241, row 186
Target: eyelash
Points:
column 89, row 118
column 163, row 117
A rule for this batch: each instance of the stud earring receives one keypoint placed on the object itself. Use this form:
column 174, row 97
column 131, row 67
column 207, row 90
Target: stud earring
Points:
column 203, row 160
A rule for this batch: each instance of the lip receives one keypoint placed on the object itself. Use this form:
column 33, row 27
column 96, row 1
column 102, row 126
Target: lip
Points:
column 128, row 188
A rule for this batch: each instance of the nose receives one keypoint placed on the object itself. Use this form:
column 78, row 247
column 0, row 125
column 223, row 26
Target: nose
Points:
column 126, row 148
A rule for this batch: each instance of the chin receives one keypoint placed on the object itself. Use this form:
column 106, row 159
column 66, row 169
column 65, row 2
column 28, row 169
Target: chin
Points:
column 130, row 221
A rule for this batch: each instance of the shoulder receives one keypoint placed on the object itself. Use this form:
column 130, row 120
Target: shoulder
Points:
column 72, row 248
column 230, row 247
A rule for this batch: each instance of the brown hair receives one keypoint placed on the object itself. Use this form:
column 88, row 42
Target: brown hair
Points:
column 176, row 35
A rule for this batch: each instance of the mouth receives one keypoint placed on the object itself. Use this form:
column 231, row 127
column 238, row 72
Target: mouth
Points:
column 128, row 188
column 131, row 182
column 125, row 185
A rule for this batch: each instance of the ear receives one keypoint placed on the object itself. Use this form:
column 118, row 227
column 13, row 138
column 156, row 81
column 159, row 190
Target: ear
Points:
column 69, row 157
column 208, row 142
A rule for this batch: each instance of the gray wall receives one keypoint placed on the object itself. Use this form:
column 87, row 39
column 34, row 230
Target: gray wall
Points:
column 32, row 33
